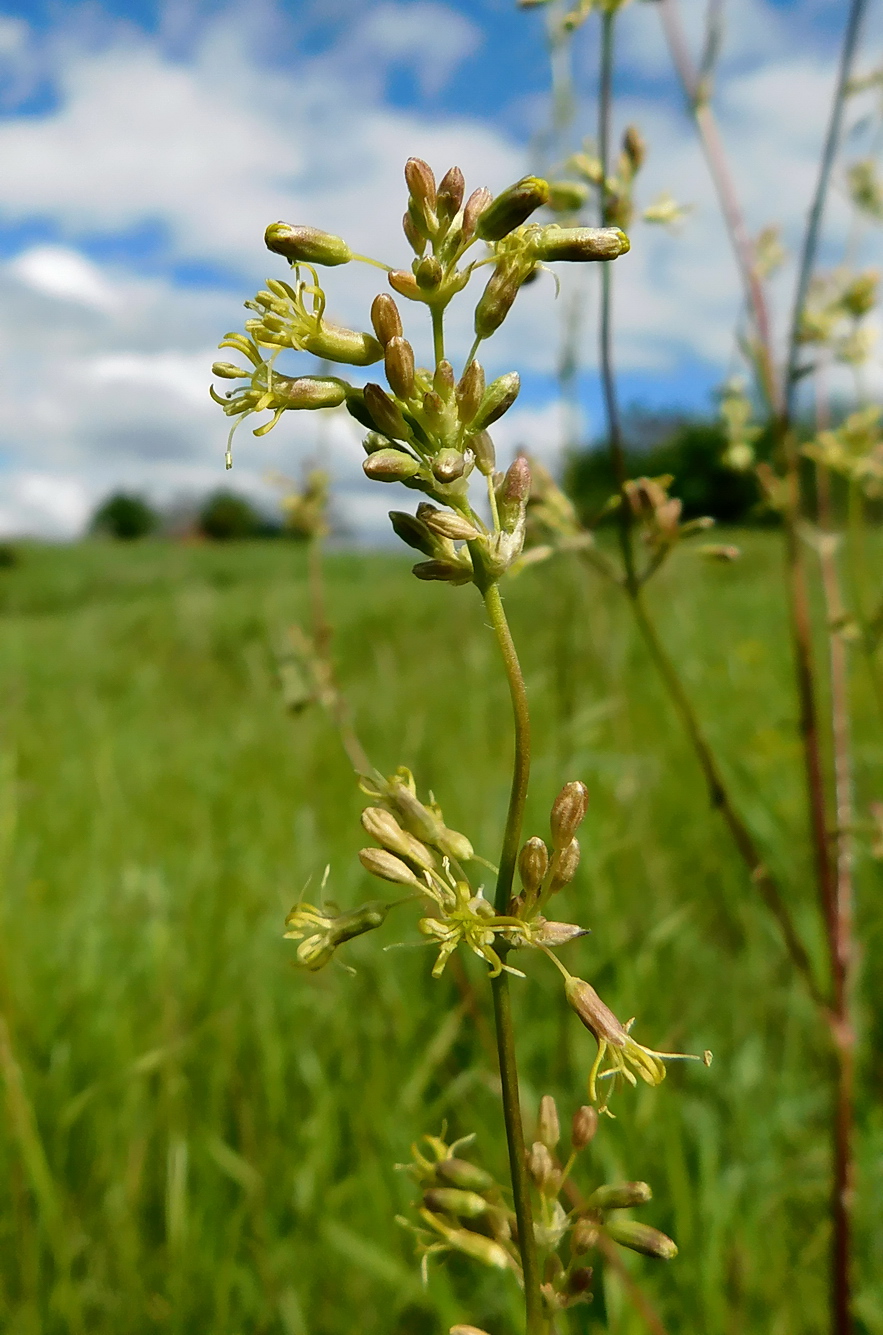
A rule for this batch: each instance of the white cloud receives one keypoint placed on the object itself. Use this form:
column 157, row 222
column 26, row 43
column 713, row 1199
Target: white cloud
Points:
column 56, row 271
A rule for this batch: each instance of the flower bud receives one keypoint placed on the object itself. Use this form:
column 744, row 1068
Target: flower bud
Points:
column 513, row 492
column 579, row 244
column 413, row 531
column 443, row 381
column 475, row 205
column 548, row 1126
column 497, row 400
column 420, row 181
column 546, row 1177
column 479, row 1248
column 380, row 863
column 385, row 318
column 579, row 1281
column 434, row 408
column 556, row 934
column 568, row 813
column 566, row 864
column 533, row 862
column 452, row 843
column 584, row 1237
column 594, row 1014
column 498, row 298
column 306, row 245
column 357, row 408
column 415, row 238
column 447, row 524
column 634, row 149
column 374, row 442
column 470, row 392
column 461, row 1173
column 583, row 1127
column 448, row 572
column 455, row 1201
column 227, row 371
column 334, row 344
column 386, row 414
column 450, row 194
column 482, row 448
column 448, row 465
column 390, row 466
column 404, row 282
column 428, row 273
column 510, row 209
column 384, row 827
column 621, row 1197
column 567, row 196
column 399, row 364
column 641, row 1238
column 309, row 391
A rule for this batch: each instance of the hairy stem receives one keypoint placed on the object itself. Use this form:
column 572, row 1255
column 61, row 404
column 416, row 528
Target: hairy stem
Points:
column 534, row 1315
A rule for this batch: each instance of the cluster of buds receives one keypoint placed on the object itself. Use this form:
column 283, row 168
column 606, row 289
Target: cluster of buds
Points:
column 854, row 450
column 741, row 432
column 462, row 1208
column 428, row 428
column 836, row 305
column 658, row 517
column 544, row 871
column 616, row 191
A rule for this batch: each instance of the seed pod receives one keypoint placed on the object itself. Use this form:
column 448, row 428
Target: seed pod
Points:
column 447, row 524
column 385, row 318
column 497, row 299
column 583, row 1127
column 455, row 1201
column 579, row 244
column 497, row 400
column 306, row 245
column 546, row 1177
column 309, row 391
column 461, row 1173
column 621, row 1197
column 390, row 466
column 548, row 1126
column 399, row 364
column 443, row 381
column 386, row 414
column 474, row 207
column 227, row 371
column 584, row 1237
column 420, row 181
column 413, row 531
column 334, row 344
column 533, row 862
column 448, row 572
column 428, row 273
column 482, row 448
column 450, row 194
column 384, row 827
column 388, row 868
column 641, row 1238
column 404, row 282
column 566, row 864
column 634, row 148
column 470, row 392
column 513, row 207
column 448, row 465
column 568, row 813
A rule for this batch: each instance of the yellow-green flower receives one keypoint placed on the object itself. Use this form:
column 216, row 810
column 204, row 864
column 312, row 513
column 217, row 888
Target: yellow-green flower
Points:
column 320, row 932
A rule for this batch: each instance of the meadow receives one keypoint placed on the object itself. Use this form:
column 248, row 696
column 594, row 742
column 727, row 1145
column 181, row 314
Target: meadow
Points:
column 200, row 1139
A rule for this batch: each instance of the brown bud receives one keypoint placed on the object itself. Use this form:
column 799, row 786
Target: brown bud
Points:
column 462, row 1173
column 482, row 448
column 390, row 465
column 434, row 408
column 579, row 1280
column 404, row 282
column 386, row 414
column 641, row 1238
column 399, row 364
column 546, row 1177
column 513, row 493
column 634, row 148
column 511, row 208
column 455, row 1201
column 413, row 531
column 584, row 1237
column 548, row 1126
column 533, row 863
column 497, row 400
column 566, row 864
column 306, row 245
column 383, row 826
column 385, row 318
column 449, row 572
column 420, row 181
column 621, row 1197
column 579, row 245
column 497, row 299
column 568, row 813
column 448, row 465
column 447, row 524
column 475, row 205
column 451, row 189
column 415, row 238
column 470, row 392
column 388, row 868
column 583, row 1127
column 443, row 380
column 428, row 273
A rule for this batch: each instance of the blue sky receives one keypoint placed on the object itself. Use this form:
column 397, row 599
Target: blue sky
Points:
column 145, row 146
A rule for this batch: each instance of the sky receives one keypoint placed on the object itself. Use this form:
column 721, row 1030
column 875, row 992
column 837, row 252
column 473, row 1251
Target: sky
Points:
column 145, row 147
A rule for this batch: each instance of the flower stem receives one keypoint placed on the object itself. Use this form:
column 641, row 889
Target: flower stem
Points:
column 534, row 1316
column 438, row 335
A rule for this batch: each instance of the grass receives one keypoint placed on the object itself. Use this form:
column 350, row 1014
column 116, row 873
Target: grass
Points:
column 200, row 1139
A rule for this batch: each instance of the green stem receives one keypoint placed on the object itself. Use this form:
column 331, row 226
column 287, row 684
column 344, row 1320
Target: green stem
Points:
column 535, row 1321
column 438, row 334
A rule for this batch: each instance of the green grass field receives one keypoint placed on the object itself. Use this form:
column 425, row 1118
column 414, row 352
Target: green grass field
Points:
column 201, row 1139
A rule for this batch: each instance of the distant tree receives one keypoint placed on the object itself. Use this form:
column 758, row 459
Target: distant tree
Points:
column 226, row 517
column 125, row 517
